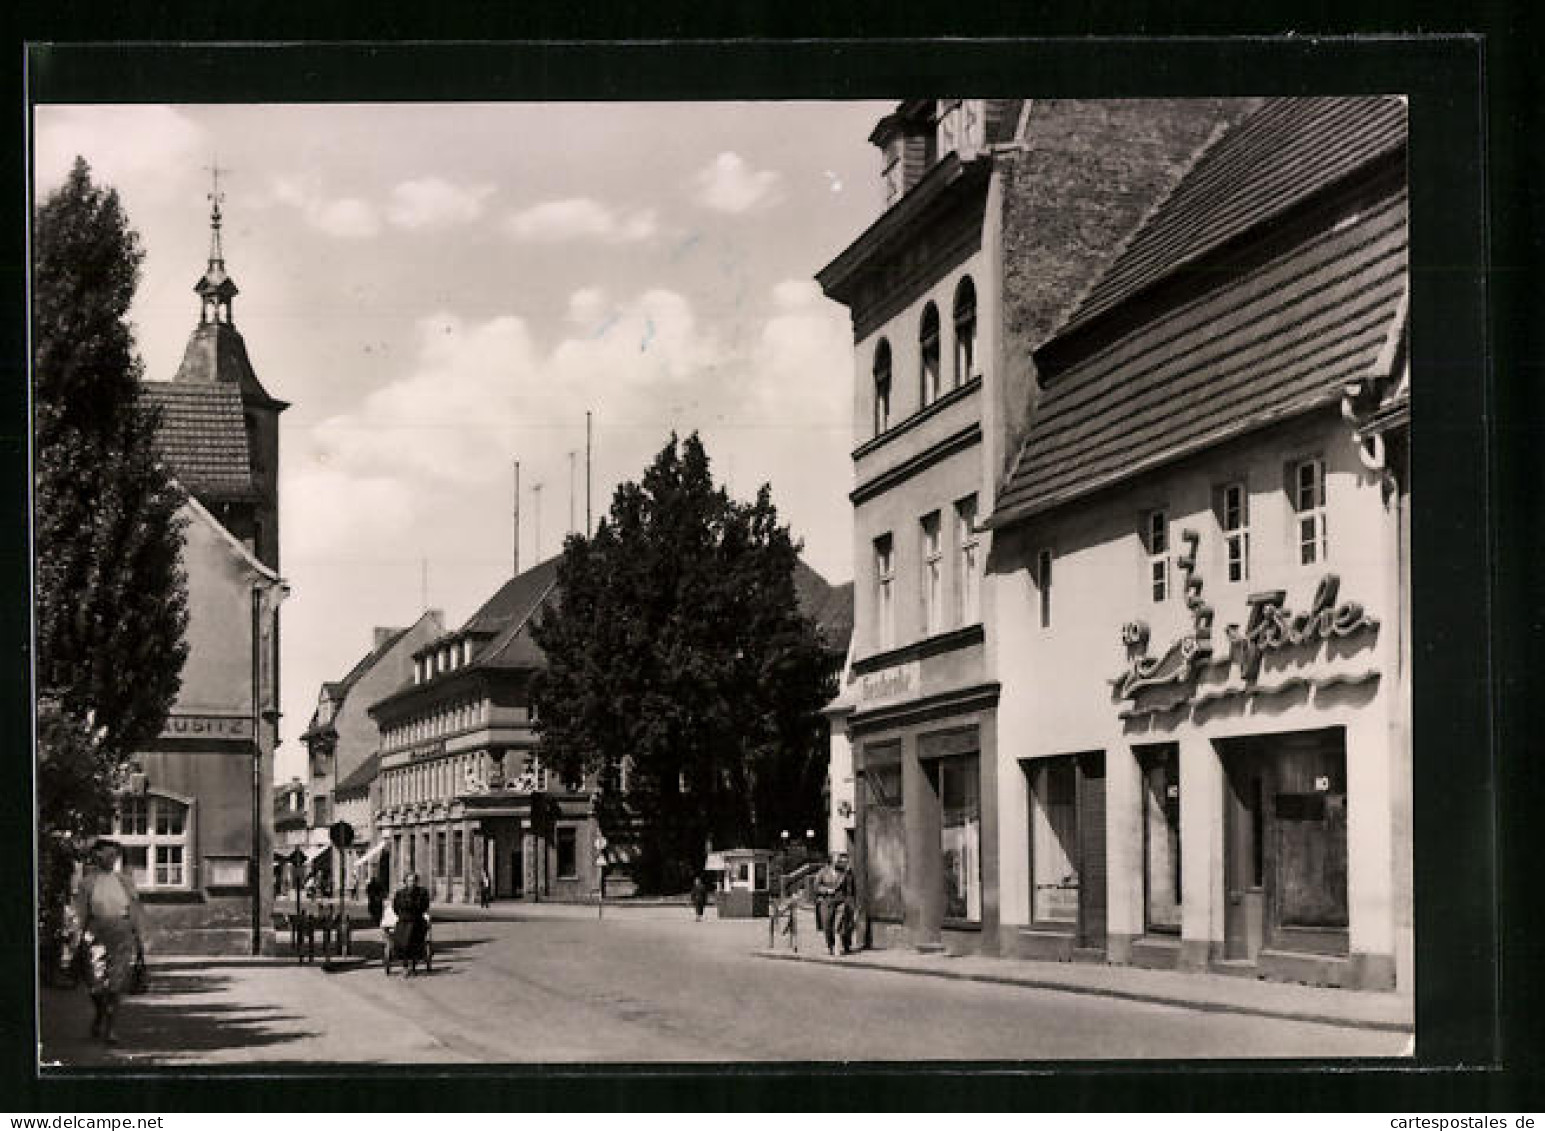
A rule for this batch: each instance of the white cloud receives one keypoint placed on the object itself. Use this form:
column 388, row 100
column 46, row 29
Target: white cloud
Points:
column 133, row 148
column 579, row 218
column 587, row 306
column 432, row 202
column 347, row 217
column 728, row 184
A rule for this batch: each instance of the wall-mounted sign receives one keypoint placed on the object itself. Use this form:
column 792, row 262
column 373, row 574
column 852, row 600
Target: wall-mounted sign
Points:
column 208, row 726
column 1270, row 626
column 890, row 683
column 433, row 750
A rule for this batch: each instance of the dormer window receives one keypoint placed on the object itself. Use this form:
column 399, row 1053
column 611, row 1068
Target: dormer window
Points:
column 466, row 651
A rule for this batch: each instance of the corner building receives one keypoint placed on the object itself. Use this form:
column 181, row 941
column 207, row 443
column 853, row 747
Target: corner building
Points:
column 1200, row 583
column 998, row 214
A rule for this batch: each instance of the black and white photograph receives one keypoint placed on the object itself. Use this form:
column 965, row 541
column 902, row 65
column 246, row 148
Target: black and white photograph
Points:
column 921, row 579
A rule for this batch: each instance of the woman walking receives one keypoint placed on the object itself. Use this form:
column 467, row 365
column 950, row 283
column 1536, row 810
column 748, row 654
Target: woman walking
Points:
column 111, row 927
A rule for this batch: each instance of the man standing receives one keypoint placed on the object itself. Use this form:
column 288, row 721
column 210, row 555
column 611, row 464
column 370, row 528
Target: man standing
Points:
column 834, row 893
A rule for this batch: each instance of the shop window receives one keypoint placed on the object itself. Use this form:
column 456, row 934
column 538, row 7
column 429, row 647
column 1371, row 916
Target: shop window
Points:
column 1156, row 546
column 965, row 331
column 154, row 832
column 958, row 781
column 457, row 848
column 885, row 844
column 1161, row 837
column 568, row 853
column 933, row 575
column 928, row 351
column 1309, row 511
column 882, row 387
column 969, row 582
column 1054, row 840
column 1043, row 583
column 1234, row 521
column 884, row 593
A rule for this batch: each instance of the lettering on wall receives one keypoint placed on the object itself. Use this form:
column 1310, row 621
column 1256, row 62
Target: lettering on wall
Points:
column 208, row 726
column 1270, row 626
column 889, row 683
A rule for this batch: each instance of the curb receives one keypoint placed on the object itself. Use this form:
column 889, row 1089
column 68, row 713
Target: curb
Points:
column 1149, row 998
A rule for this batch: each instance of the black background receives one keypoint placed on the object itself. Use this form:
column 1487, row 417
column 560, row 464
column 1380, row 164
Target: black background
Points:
column 1479, row 605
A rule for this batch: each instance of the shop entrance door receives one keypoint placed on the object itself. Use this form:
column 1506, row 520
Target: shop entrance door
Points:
column 1091, row 850
column 517, row 872
column 1244, row 863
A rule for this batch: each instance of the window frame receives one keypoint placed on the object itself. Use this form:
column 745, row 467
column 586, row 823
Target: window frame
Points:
column 968, row 588
column 1234, row 530
column 931, row 545
column 882, row 386
column 964, row 319
column 570, row 834
column 152, row 841
column 884, row 550
column 929, row 355
column 1314, row 514
column 1156, row 553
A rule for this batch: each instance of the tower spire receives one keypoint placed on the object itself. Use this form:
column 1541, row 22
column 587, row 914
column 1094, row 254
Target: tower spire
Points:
column 216, row 288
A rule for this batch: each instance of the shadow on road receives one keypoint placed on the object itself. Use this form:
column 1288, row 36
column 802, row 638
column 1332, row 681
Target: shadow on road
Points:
column 166, row 1019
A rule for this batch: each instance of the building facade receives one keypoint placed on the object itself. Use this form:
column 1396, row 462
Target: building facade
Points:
column 197, row 820
column 1201, row 609
column 998, row 213
column 461, row 790
column 342, row 744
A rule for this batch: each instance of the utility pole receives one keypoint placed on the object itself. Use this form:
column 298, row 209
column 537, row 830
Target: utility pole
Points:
column 536, row 491
column 517, row 519
column 587, row 473
column 571, row 491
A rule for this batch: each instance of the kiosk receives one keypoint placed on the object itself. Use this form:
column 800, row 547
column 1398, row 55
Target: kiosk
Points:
column 743, row 889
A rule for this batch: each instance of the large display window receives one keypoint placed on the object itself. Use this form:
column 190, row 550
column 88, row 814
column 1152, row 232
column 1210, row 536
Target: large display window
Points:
column 1054, row 840
column 885, row 842
column 958, row 781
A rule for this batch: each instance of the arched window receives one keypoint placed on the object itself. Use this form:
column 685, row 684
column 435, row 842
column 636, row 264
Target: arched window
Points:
column 882, row 387
column 928, row 348
column 965, row 331
column 155, row 833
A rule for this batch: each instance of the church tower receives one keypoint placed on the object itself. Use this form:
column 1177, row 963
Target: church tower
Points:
column 222, row 425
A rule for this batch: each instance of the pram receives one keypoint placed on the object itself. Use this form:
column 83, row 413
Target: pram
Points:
column 388, row 930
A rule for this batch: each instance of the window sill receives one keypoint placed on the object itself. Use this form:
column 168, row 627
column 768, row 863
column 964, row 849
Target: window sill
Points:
column 171, row 895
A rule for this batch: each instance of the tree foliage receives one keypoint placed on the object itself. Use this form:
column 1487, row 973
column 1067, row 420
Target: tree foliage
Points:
column 678, row 645
column 111, row 596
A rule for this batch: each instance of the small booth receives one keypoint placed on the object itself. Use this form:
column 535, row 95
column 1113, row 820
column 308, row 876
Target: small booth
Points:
column 743, row 886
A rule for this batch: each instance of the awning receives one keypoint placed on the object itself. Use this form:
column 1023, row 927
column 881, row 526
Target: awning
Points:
column 375, row 850
column 314, row 854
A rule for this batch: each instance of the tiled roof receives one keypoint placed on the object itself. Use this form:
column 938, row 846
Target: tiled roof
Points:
column 1260, row 333
column 1286, row 151
column 508, row 614
column 203, row 437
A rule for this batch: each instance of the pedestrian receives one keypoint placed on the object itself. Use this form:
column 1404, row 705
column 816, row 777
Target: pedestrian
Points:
column 110, row 923
column 834, row 896
column 485, row 886
column 699, row 895
column 410, row 937
column 375, row 899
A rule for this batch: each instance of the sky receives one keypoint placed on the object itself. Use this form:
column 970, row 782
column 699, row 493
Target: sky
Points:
column 442, row 289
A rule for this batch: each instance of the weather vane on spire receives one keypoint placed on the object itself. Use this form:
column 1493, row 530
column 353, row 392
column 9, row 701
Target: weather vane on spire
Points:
column 216, row 253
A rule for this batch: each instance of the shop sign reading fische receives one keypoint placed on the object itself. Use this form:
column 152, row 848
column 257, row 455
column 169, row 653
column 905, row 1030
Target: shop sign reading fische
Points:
column 1270, row 626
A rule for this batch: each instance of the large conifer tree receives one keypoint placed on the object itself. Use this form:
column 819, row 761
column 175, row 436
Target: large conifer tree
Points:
column 678, row 644
column 111, row 596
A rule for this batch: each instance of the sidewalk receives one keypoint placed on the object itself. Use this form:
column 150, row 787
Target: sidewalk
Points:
column 1214, row 993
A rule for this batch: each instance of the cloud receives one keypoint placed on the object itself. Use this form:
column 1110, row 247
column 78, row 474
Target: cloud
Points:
column 579, row 218
column 728, row 184
column 133, row 148
column 432, row 202
column 346, row 217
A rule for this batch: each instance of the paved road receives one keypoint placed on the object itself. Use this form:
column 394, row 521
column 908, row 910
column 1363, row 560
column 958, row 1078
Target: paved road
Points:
column 554, row 985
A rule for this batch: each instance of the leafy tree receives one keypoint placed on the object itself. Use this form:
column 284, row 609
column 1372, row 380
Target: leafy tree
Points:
column 678, row 645
column 111, row 596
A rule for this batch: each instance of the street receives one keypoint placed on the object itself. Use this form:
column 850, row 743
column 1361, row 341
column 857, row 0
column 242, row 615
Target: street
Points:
column 552, row 984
